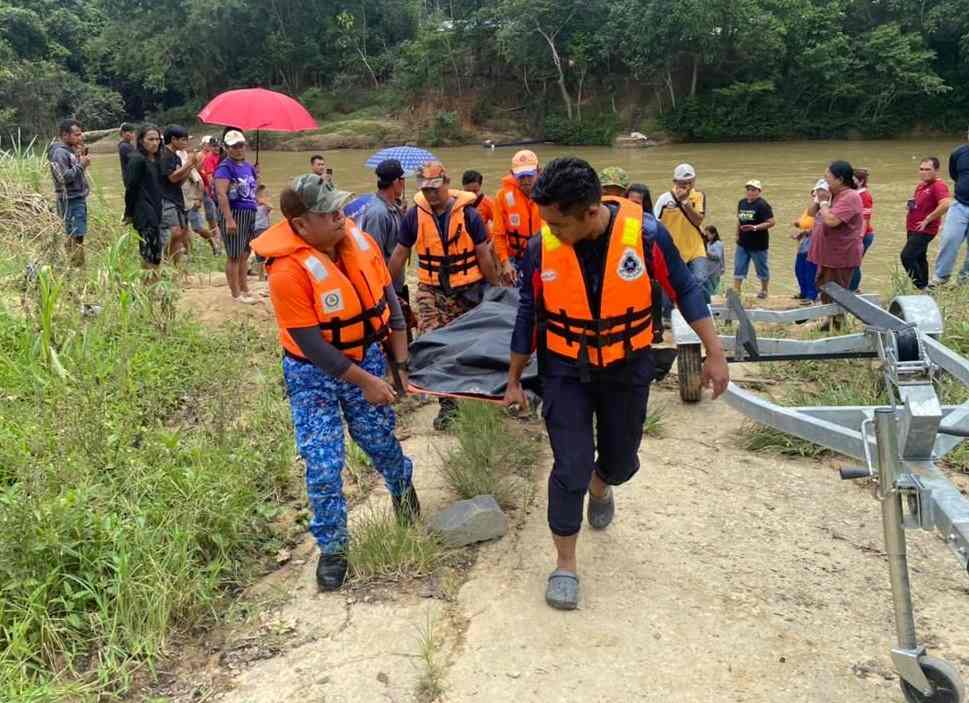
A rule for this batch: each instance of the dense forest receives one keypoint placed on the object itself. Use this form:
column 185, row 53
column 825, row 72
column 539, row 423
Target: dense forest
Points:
column 575, row 70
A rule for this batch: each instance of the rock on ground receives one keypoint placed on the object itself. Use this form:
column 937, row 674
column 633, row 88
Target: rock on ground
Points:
column 470, row 521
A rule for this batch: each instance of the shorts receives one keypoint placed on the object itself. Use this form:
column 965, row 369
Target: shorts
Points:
column 173, row 215
column 237, row 245
column 211, row 212
column 741, row 263
column 74, row 214
column 196, row 220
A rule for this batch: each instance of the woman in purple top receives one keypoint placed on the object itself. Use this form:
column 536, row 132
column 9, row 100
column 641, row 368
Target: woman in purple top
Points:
column 236, row 182
column 839, row 224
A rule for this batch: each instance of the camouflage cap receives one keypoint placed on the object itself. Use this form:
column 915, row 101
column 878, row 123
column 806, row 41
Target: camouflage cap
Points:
column 318, row 195
column 614, row 176
column 431, row 175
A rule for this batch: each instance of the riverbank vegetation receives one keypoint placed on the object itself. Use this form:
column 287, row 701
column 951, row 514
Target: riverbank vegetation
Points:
column 570, row 71
column 143, row 461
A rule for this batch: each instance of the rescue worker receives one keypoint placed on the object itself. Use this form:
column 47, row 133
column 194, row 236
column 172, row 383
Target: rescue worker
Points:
column 335, row 307
column 453, row 257
column 615, row 182
column 682, row 211
column 585, row 302
column 472, row 181
column 516, row 216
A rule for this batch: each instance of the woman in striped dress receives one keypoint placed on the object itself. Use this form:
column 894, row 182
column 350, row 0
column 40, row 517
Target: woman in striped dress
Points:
column 236, row 182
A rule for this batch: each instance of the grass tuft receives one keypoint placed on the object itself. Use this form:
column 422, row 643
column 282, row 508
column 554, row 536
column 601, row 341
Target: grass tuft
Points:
column 383, row 547
column 655, row 420
column 490, row 451
column 430, row 684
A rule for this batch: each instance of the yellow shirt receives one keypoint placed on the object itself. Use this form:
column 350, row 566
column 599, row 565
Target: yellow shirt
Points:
column 805, row 222
column 685, row 236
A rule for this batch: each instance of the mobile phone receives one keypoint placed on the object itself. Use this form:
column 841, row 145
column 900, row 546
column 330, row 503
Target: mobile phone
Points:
column 329, row 172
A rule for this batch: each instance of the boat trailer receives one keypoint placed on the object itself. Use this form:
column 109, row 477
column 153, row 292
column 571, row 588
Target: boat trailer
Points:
column 899, row 443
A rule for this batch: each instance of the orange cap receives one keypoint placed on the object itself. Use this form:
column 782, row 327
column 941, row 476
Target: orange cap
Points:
column 431, row 175
column 524, row 163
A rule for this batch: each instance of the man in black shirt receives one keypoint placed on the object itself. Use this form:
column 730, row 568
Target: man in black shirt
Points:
column 126, row 146
column 754, row 218
column 174, row 169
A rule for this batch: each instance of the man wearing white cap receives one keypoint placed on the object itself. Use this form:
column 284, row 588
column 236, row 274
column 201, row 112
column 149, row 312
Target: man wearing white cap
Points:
column 754, row 220
column 516, row 217
column 682, row 210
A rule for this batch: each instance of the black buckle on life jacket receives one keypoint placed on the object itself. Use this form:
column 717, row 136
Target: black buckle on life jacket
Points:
column 372, row 333
column 595, row 333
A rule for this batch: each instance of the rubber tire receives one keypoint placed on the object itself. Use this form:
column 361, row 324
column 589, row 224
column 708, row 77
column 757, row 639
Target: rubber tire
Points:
column 689, row 370
column 943, row 676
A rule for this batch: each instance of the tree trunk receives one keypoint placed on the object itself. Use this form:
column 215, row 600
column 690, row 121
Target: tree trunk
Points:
column 696, row 73
column 373, row 76
column 566, row 98
column 578, row 99
column 659, row 99
column 669, row 86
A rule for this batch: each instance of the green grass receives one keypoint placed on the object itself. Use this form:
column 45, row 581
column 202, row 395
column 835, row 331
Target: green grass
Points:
column 655, row 421
column 430, row 683
column 381, row 546
column 138, row 481
column 490, row 450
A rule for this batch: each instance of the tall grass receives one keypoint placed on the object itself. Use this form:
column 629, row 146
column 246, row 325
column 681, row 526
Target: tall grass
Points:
column 490, row 450
column 137, row 483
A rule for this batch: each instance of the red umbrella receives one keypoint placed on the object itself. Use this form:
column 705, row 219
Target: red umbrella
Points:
column 257, row 108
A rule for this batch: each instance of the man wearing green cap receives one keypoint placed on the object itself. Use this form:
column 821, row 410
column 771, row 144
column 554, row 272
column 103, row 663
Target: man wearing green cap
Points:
column 335, row 307
column 615, row 181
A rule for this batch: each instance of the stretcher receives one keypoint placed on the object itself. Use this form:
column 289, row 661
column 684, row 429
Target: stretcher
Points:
column 899, row 444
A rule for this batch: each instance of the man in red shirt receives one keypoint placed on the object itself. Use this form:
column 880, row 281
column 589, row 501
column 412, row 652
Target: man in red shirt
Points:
column 210, row 162
column 925, row 211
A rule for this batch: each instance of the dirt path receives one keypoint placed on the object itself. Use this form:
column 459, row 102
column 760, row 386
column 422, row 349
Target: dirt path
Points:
column 727, row 576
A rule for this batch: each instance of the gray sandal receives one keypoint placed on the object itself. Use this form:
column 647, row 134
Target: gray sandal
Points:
column 562, row 592
column 600, row 511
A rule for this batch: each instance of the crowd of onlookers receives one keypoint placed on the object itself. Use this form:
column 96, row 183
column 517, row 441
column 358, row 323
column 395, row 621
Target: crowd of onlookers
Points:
column 172, row 191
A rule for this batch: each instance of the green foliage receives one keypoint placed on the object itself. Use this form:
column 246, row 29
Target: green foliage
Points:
column 445, row 129
column 137, row 482
column 489, row 451
column 381, row 546
column 599, row 132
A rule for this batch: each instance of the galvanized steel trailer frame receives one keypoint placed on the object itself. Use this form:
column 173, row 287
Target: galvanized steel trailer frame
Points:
column 899, row 455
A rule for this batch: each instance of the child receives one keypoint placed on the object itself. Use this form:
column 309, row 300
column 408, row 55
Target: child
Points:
column 804, row 270
column 263, row 209
column 715, row 256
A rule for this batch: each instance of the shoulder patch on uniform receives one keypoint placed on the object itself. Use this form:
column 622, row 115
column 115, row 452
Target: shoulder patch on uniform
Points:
column 631, row 266
column 316, row 268
column 360, row 239
column 332, row 301
column 632, row 230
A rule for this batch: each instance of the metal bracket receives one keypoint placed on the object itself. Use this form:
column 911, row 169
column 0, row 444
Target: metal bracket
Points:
column 907, row 665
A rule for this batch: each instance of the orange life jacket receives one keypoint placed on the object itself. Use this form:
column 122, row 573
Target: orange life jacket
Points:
column 456, row 264
column 348, row 297
column 624, row 322
column 520, row 218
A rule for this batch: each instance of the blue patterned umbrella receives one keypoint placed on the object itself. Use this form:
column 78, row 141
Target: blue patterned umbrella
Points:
column 356, row 207
column 410, row 158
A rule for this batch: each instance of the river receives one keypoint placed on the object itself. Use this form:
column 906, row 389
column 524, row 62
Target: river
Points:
column 788, row 170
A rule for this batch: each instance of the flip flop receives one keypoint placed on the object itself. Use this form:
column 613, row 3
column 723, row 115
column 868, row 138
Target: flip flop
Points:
column 562, row 592
column 600, row 511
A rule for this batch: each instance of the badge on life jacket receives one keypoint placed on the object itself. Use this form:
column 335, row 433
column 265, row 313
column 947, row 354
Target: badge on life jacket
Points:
column 631, row 266
column 332, row 301
column 515, row 220
column 549, row 276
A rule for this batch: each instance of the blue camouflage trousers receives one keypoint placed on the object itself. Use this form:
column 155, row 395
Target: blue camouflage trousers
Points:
column 319, row 403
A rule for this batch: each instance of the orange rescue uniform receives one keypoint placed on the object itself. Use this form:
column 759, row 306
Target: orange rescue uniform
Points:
column 347, row 295
column 455, row 265
column 517, row 219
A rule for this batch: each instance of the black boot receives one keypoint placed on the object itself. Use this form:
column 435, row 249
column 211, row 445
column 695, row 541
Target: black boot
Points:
column 406, row 507
column 331, row 571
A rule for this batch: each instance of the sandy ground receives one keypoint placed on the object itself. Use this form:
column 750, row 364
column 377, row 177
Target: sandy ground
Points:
column 727, row 576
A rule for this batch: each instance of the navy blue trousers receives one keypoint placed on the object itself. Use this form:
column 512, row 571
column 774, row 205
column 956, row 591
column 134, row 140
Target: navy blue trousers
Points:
column 595, row 426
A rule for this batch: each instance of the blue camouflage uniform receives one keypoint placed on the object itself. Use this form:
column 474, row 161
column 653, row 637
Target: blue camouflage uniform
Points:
column 319, row 403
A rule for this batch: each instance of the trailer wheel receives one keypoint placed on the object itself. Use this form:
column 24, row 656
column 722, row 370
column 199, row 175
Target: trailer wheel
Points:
column 689, row 369
column 944, row 679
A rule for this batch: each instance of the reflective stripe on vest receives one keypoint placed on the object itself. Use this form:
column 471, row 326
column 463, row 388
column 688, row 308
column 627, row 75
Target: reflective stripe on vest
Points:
column 624, row 322
column 456, row 264
column 349, row 303
column 522, row 222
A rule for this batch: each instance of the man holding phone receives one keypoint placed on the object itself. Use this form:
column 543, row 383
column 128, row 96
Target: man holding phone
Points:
column 69, row 171
column 682, row 211
column 319, row 167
